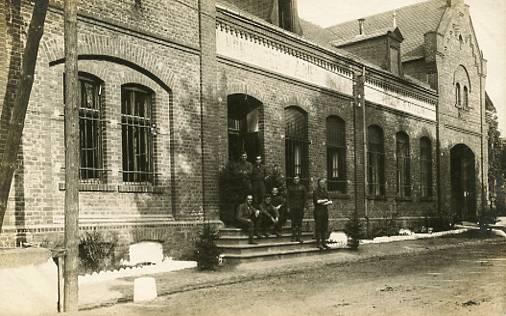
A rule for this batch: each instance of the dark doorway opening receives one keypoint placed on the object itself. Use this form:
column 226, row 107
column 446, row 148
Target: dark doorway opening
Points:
column 245, row 130
column 463, row 183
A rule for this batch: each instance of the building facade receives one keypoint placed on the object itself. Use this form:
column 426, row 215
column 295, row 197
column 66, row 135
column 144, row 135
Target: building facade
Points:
column 393, row 116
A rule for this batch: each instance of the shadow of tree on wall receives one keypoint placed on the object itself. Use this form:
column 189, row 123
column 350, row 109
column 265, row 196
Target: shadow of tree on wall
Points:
column 15, row 22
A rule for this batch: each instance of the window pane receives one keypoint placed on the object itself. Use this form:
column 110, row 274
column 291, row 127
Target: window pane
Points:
column 296, row 143
column 375, row 175
column 137, row 137
column 90, row 137
column 425, row 167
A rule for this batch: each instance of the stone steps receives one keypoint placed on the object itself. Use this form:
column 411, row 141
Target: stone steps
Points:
column 242, row 239
column 233, row 231
column 274, row 255
column 235, row 249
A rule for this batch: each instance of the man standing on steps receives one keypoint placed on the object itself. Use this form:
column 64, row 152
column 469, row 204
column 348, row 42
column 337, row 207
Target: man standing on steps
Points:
column 258, row 176
column 321, row 202
column 244, row 170
column 297, row 196
column 247, row 217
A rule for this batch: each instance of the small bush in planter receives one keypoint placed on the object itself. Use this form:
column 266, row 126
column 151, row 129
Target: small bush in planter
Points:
column 353, row 229
column 206, row 251
column 95, row 253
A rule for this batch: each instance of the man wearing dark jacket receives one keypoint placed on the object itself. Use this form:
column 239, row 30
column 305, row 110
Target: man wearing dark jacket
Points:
column 321, row 202
column 279, row 203
column 297, row 196
column 269, row 216
column 248, row 218
column 258, row 176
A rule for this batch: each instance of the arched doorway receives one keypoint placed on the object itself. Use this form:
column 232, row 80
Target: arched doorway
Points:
column 463, row 183
column 245, row 130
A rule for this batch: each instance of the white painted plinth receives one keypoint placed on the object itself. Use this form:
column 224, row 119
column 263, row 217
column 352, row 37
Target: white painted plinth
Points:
column 144, row 289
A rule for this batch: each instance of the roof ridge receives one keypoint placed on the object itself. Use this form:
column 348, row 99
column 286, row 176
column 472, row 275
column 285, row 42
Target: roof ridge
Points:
column 384, row 12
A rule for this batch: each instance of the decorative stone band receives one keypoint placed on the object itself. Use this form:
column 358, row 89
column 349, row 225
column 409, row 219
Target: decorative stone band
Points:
column 277, row 58
column 236, row 42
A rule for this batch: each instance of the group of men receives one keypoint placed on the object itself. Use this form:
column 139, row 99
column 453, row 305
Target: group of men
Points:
column 264, row 213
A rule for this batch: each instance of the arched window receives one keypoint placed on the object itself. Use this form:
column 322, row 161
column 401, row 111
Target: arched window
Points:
column 296, row 143
column 375, row 161
column 403, row 160
column 425, row 167
column 137, row 133
column 90, row 128
column 336, row 154
column 466, row 98
column 458, row 101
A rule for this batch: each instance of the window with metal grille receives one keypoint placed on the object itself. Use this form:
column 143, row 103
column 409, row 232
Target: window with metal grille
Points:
column 336, row 154
column 403, row 165
column 90, row 129
column 425, row 167
column 296, row 143
column 137, row 133
column 375, row 161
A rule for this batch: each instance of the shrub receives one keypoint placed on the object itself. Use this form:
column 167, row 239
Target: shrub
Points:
column 233, row 189
column 387, row 226
column 353, row 229
column 95, row 253
column 206, row 251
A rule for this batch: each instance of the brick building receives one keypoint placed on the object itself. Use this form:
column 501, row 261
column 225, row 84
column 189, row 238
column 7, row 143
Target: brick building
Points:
column 390, row 110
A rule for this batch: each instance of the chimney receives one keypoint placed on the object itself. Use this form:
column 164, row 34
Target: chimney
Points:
column 453, row 3
column 361, row 26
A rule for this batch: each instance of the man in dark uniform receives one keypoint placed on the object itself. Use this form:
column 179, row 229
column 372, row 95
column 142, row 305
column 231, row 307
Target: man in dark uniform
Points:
column 244, row 170
column 279, row 203
column 248, row 218
column 276, row 180
column 297, row 196
column 258, row 176
column 321, row 214
column 269, row 216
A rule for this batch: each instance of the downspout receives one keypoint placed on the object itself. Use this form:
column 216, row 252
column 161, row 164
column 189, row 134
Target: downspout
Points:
column 483, row 190
column 201, row 78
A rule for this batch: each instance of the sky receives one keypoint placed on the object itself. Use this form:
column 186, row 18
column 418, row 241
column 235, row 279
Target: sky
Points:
column 489, row 21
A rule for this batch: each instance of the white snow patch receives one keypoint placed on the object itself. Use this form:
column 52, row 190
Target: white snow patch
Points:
column 166, row 265
column 413, row 236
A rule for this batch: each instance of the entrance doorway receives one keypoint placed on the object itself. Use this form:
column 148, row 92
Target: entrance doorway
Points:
column 463, row 183
column 245, row 133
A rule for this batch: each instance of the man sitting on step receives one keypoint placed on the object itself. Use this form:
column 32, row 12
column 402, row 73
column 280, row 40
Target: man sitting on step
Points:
column 269, row 216
column 279, row 203
column 247, row 217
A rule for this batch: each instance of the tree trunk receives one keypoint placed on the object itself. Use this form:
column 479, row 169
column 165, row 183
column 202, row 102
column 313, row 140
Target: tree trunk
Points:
column 16, row 123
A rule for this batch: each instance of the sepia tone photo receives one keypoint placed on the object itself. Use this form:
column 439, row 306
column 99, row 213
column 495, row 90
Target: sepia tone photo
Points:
column 252, row 157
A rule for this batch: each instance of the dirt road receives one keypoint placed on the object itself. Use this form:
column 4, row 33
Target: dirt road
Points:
column 461, row 281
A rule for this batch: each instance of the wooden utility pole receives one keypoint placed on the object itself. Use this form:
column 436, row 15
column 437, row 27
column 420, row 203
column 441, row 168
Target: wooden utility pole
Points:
column 71, row 266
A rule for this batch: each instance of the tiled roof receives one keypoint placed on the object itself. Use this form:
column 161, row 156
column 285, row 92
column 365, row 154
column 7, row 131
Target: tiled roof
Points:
column 413, row 21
